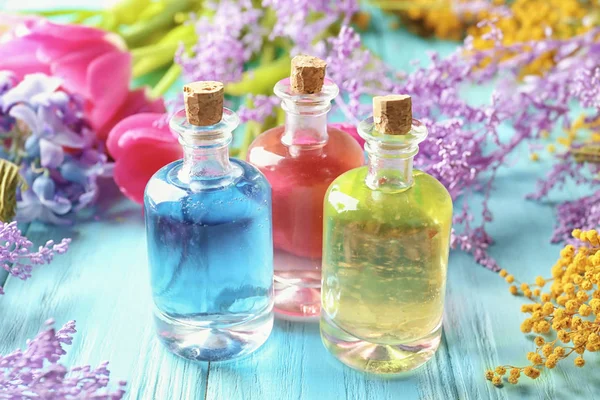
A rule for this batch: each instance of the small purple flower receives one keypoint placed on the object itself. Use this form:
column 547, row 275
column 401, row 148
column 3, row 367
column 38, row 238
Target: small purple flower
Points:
column 297, row 21
column 35, row 372
column 263, row 107
column 228, row 40
column 16, row 255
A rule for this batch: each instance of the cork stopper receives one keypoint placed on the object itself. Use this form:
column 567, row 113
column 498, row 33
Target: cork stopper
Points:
column 392, row 114
column 203, row 102
column 308, row 74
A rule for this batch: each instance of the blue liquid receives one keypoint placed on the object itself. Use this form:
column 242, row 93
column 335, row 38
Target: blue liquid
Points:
column 211, row 261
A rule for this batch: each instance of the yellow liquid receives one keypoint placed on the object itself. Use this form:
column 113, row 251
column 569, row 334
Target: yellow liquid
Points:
column 384, row 260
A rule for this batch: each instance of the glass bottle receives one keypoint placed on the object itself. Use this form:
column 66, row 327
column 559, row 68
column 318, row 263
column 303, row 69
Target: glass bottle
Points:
column 208, row 226
column 386, row 243
column 300, row 160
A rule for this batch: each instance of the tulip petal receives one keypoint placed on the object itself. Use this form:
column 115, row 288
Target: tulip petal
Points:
column 19, row 56
column 73, row 67
column 137, row 102
column 139, row 160
column 137, row 121
column 108, row 85
column 43, row 29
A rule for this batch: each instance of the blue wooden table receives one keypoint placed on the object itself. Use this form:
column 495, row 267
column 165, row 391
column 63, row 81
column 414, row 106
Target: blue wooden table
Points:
column 102, row 283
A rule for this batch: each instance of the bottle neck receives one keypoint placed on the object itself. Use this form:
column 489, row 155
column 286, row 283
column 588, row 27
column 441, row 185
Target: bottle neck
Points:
column 306, row 115
column 204, row 162
column 305, row 124
column 390, row 167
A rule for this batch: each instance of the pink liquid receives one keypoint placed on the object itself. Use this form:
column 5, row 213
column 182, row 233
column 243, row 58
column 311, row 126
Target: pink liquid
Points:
column 300, row 176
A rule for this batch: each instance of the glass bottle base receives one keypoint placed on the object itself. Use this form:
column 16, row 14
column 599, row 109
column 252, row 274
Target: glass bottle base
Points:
column 210, row 341
column 297, row 284
column 377, row 358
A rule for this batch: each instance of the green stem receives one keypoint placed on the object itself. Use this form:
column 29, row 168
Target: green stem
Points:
column 138, row 32
column 261, row 79
column 268, row 53
column 153, row 50
column 149, row 58
column 167, row 80
column 252, row 130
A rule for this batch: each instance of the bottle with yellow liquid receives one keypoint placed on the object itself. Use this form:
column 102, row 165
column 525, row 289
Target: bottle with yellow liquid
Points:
column 385, row 250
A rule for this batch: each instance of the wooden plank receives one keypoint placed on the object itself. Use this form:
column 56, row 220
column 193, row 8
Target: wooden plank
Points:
column 102, row 283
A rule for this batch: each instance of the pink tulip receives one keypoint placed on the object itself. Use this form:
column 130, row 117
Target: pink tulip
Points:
column 91, row 63
column 140, row 145
column 351, row 130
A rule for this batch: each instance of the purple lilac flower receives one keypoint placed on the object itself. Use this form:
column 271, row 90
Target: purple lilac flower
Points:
column 470, row 8
column 226, row 43
column 464, row 149
column 293, row 19
column 36, row 373
column 60, row 158
column 582, row 213
column 355, row 69
column 17, row 256
column 262, row 107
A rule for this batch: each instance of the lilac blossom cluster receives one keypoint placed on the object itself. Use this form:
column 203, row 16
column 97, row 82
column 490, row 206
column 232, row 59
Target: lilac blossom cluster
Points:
column 297, row 19
column 17, row 256
column 42, row 130
column 464, row 149
column 34, row 373
column 238, row 29
column 262, row 106
column 226, row 42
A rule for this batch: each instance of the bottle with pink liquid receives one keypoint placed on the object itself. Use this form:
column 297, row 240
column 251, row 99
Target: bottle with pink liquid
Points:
column 300, row 160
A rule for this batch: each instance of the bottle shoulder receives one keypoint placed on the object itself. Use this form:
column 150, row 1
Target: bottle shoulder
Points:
column 350, row 197
column 268, row 149
column 165, row 187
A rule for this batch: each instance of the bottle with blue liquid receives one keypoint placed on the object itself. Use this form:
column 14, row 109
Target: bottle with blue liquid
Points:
column 210, row 246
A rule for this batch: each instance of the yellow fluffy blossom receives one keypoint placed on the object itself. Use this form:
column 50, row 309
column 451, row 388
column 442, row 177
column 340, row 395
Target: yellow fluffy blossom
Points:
column 531, row 20
column 540, row 281
column 585, row 310
column 531, row 372
column 547, row 308
column 539, row 341
column 570, row 311
column 545, row 297
column 489, row 374
column 559, row 351
column 547, row 349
